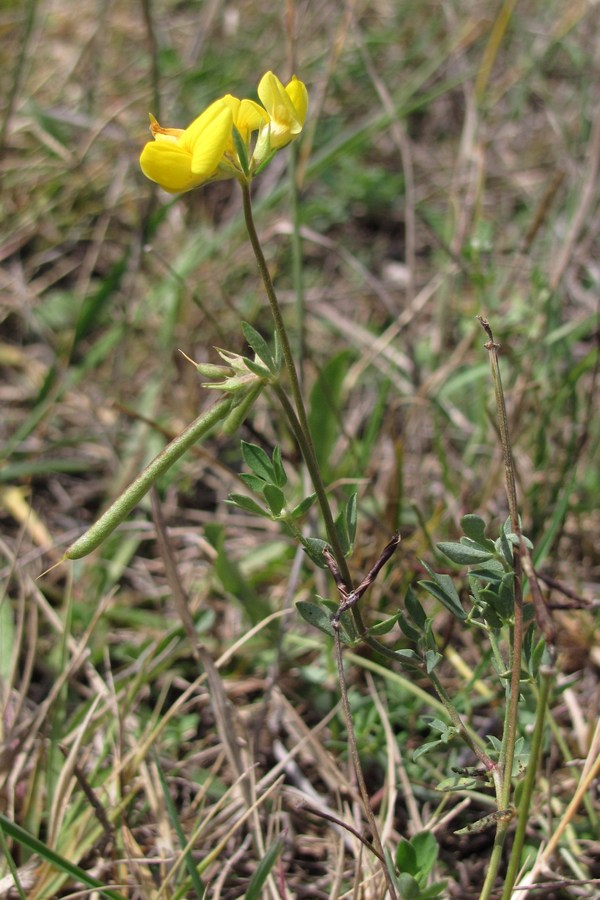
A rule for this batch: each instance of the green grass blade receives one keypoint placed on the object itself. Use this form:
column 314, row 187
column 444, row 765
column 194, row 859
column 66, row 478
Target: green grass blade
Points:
column 198, row 884
column 64, row 865
column 253, row 891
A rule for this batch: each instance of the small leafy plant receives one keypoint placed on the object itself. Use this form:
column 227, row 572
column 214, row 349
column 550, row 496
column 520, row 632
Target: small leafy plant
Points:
column 484, row 582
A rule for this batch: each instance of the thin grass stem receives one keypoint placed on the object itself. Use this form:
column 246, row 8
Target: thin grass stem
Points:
column 546, row 674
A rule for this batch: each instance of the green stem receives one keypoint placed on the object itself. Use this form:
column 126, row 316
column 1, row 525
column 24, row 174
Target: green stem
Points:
column 296, row 414
column 297, row 267
column 507, row 753
column 303, row 432
column 529, row 783
column 494, row 862
column 357, row 765
column 315, row 474
column 456, row 720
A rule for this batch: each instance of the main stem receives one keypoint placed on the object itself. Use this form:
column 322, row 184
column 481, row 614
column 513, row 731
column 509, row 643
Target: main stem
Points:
column 507, row 753
column 304, row 436
column 525, row 802
column 296, row 414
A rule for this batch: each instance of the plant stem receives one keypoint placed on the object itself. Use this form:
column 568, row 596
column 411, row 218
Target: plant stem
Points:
column 297, row 268
column 296, row 414
column 528, row 785
column 315, row 474
column 303, row 432
column 356, row 762
column 507, row 753
column 456, row 720
column 494, row 861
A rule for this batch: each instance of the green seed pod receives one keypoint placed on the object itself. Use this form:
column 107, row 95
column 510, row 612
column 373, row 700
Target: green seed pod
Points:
column 122, row 506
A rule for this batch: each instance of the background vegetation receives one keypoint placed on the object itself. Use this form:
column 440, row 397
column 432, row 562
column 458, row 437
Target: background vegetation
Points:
column 449, row 168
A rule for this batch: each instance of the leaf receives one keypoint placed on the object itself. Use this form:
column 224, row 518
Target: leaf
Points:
column 280, row 476
column 55, row 859
column 506, row 596
column 426, row 849
column 384, row 627
column 492, row 571
column 351, row 518
column 457, row 783
column 431, row 660
column 442, row 588
column 275, row 498
column 256, row 368
column 488, row 600
column 502, row 815
column 500, row 598
column 257, row 460
column 254, row 889
column 409, row 660
column 474, row 528
column 411, row 633
column 314, row 549
column 253, row 482
column 345, row 524
column 414, row 608
column 315, row 616
column 199, row 886
column 425, row 748
column 433, row 891
column 463, row 554
column 248, row 504
column 408, row 887
column 406, row 857
column 438, row 725
column 504, row 548
column 257, row 342
column 303, row 507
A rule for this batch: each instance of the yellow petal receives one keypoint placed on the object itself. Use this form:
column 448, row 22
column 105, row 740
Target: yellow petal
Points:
column 296, row 91
column 273, row 96
column 285, row 121
column 170, row 166
column 232, row 102
column 200, row 124
column 210, row 144
column 251, row 117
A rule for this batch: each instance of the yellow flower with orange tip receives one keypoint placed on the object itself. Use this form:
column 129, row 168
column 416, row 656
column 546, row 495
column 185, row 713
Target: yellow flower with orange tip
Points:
column 218, row 144
column 181, row 159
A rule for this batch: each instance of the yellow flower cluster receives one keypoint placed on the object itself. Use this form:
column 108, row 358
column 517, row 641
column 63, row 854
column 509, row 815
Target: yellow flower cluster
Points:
column 220, row 143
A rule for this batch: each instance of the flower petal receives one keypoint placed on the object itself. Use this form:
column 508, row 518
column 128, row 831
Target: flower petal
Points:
column 209, row 144
column 201, row 123
column 296, row 91
column 163, row 134
column 285, row 120
column 251, row 117
column 169, row 165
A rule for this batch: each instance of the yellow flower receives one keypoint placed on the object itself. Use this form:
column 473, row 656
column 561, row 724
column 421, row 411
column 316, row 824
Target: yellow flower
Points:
column 218, row 143
column 286, row 107
column 180, row 160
